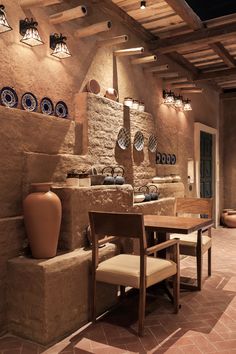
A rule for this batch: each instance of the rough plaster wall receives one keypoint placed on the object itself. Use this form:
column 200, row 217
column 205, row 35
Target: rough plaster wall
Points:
column 229, row 158
column 33, row 69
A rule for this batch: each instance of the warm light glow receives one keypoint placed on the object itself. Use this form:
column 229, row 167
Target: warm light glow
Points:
column 143, row 5
column 179, row 101
column 4, row 26
column 32, row 37
column 187, row 105
column 169, row 98
column 61, row 51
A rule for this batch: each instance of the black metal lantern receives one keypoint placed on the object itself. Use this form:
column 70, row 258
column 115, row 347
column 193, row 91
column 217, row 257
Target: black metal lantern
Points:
column 29, row 32
column 4, row 25
column 58, row 44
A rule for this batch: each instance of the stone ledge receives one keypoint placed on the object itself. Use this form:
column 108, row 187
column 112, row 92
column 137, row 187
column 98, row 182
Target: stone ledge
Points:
column 48, row 299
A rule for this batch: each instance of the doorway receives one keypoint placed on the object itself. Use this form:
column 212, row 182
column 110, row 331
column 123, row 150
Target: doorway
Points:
column 206, row 175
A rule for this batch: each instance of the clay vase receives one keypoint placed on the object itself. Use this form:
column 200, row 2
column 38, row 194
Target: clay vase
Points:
column 230, row 219
column 93, row 86
column 42, row 217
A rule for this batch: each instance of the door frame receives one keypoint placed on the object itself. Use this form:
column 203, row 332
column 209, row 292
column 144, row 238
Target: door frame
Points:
column 198, row 127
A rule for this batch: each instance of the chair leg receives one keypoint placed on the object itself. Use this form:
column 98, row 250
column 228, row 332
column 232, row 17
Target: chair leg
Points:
column 209, row 262
column 142, row 305
column 93, row 294
column 122, row 291
column 199, row 271
column 176, row 286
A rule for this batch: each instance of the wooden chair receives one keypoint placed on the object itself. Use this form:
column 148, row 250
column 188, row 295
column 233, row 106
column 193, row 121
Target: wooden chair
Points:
column 196, row 243
column 137, row 271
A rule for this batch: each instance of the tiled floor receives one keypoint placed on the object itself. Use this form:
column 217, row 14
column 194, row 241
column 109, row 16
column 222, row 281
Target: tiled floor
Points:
column 206, row 322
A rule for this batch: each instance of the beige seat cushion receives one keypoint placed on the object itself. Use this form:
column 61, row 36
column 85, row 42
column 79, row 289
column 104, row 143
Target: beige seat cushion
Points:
column 190, row 240
column 124, row 269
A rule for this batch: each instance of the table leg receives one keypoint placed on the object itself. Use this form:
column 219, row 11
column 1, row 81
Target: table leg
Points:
column 162, row 237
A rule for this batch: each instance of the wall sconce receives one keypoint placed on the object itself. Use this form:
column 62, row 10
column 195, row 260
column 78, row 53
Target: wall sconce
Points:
column 143, row 5
column 4, row 25
column 187, row 105
column 179, row 101
column 29, row 31
column 58, row 44
column 169, row 97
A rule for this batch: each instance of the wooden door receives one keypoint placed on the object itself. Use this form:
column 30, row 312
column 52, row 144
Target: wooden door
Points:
column 206, row 170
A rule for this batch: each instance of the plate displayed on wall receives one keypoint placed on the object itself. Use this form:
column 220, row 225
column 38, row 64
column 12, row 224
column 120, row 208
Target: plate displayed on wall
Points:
column 163, row 158
column 8, row 97
column 123, row 139
column 139, row 141
column 29, row 102
column 152, row 143
column 158, row 157
column 61, row 110
column 46, row 106
column 173, row 159
column 168, row 159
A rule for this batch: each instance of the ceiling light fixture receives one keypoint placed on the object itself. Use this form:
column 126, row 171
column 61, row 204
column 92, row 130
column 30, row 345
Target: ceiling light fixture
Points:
column 143, row 5
column 187, row 105
column 169, row 97
column 4, row 25
column 29, row 31
column 58, row 44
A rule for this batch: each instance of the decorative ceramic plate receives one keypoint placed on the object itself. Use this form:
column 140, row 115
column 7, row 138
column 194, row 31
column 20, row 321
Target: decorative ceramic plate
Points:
column 152, row 143
column 139, row 141
column 123, row 139
column 168, row 159
column 163, row 158
column 173, row 159
column 61, row 109
column 8, row 97
column 29, row 102
column 158, row 158
column 46, row 106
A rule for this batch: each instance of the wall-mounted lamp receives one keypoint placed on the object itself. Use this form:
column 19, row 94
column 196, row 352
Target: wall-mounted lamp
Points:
column 58, row 44
column 4, row 25
column 169, row 97
column 187, row 105
column 179, row 101
column 143, row 5
column 29, row 31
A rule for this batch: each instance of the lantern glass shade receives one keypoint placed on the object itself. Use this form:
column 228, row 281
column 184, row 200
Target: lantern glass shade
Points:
column 143, row 5
column 179, row 102
column 4, row 25
column 187, row 105
column 169, row 98
column 61, row 51
column 32, row 37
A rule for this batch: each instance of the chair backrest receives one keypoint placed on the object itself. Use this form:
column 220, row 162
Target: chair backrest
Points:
column 127, row 225
column 202, row 206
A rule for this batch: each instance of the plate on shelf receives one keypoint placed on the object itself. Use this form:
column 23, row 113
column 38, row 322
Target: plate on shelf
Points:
column 8, row 97
column 168, row 159
column 158, row 157
column 123, row 139
column 139, row 141
column 29, row 102
column 163, row 158
column 61, row 110
column 46, row 106
column 173, row 159
column 152, row 143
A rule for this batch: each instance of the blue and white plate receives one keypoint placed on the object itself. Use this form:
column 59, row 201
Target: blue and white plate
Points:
column 46, row 106
column 29, row 102
column 61, row 110
column 158, row 157
column 168, row 159
column 173, row 159
column 8, row 97
column 163, row 158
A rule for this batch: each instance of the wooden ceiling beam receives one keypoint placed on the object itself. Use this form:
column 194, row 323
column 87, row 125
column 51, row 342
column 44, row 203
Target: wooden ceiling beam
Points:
column 223, row 54
column 186, row 13
column 111, row 9
column 196, row 39
column 184, row 63
column 216, row 74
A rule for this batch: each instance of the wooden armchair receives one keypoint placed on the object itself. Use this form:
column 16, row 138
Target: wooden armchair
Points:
column 137, row 271
column 196, row 243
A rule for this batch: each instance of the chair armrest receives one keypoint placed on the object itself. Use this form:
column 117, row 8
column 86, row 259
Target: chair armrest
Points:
column 161, row 246
column 107, row 239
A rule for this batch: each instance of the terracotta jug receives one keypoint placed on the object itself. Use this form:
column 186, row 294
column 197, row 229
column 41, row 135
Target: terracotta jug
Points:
column 42, row 217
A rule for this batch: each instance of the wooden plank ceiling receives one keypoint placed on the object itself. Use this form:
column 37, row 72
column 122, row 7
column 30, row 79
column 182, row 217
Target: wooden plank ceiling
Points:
column 207, row 50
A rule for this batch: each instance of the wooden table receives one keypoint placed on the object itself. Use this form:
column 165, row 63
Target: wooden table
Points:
column 166, row 225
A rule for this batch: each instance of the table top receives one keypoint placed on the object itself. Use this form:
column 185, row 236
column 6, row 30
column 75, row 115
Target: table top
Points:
column 175, row 224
